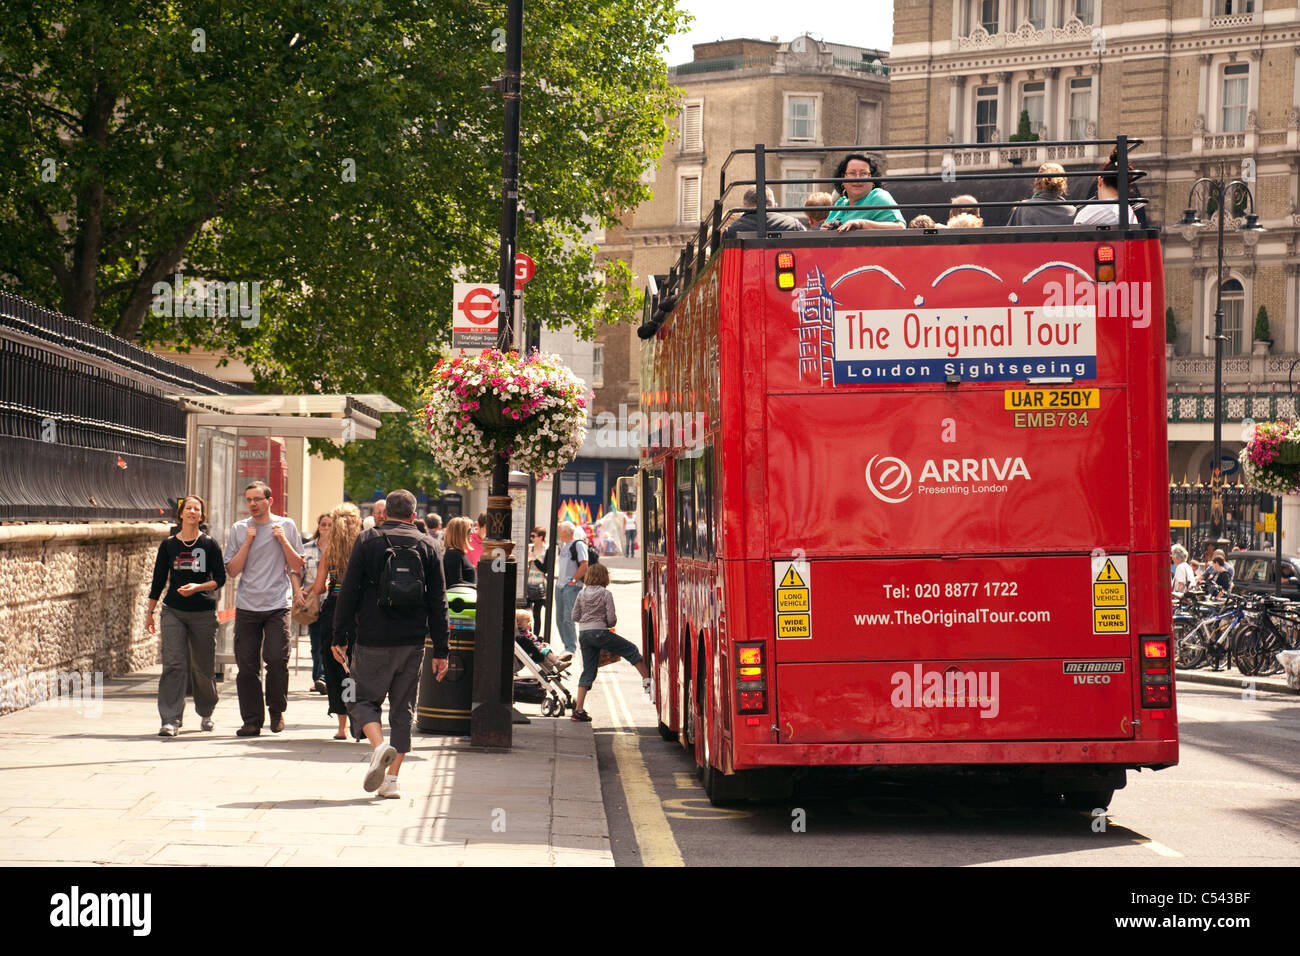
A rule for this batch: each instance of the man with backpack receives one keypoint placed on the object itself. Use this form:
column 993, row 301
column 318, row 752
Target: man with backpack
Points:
column 570, row 567
column 392, row 596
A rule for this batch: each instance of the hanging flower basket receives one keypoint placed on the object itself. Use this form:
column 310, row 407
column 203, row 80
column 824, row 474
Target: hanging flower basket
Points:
column 1271, row 459
column 532, row 412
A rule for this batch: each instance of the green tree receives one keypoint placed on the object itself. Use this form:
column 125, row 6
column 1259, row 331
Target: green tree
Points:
column 347, row 156
column 1262, row 333
column 1023, row 133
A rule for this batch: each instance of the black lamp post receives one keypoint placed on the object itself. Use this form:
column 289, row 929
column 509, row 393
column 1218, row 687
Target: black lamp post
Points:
column 1222, row 193
column 491, row 714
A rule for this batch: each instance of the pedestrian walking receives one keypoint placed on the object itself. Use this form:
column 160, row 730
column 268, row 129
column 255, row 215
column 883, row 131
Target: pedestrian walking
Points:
column 189, row 565
column 392, row 597
column 595, row 617
column 535, row 590
column 630, row 530
column 312, row 549
column 344, row 529
column 456, row 566
column 262, row 550
column 570, row 567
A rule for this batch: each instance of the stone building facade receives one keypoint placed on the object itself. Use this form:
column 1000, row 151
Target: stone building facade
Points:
column 735, row 94
column 1212, row 87
column 74, row 609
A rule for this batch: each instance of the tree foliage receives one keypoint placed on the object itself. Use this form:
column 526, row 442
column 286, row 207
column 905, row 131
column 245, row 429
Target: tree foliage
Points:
column 347, row 156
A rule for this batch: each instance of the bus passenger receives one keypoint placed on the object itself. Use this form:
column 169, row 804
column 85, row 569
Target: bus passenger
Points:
column 1107, row 213
column 964, row 205
column 1047, row 205
column 853, row 210
column 923, row 222
column 814, row 209
column 965, row 221
column 594, row 613
column 776, row 221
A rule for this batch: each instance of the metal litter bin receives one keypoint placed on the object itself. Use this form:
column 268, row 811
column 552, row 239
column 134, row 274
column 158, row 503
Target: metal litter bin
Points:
column 442, row 707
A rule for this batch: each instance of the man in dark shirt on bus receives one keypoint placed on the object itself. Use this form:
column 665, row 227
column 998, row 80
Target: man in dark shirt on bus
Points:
column 776, row 221
column 390, row 620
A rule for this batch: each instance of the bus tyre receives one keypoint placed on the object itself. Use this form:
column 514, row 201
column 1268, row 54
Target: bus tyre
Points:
column 1087, row 800
column 666, row 732
column 721, row 789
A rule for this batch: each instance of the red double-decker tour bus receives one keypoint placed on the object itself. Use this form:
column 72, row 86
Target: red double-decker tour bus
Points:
column 904, row 499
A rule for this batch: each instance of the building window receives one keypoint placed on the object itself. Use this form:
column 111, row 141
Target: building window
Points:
column 1226, row 8
column 688, row 193
column 598, row 366
column 1234, row 310
column 986, row 114
column 800, row 119
column 1080, row 107
column 1031, row 102
column 1036, row 14
column 693, row 128
column 868, row 123
column 1083, row 10
column 796, row 194
column 1236, row 93
column 989, row 17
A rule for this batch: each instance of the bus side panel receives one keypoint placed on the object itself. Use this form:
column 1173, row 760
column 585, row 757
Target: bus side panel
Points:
column 753, row 385
column 735, row 355
column 946, row 699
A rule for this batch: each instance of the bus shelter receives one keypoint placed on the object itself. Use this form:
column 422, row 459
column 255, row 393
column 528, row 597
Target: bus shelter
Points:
column 232, row 440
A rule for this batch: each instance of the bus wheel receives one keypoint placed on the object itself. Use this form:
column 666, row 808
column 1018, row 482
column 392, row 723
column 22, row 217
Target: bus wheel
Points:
column 1087, row 800
column 722, row 789
column 665, row 732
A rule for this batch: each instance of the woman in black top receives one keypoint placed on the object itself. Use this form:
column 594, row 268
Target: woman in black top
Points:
column 344, row 528
column 189, row 563
column 456, row 568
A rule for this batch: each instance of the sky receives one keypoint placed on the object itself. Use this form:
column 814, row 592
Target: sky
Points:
column 868, row 23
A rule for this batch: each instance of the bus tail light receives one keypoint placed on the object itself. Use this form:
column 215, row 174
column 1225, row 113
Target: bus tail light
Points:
column 751, row 679
column 785, row 271
column 1157, row 673
column 1105, row 263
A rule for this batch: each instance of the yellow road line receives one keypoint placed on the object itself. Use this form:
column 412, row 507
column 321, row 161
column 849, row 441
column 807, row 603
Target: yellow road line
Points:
column 1159, row 848
column 654, row 835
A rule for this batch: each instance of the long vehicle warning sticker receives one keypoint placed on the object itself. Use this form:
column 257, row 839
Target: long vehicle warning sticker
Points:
column 793, row 581
column 1110, row 594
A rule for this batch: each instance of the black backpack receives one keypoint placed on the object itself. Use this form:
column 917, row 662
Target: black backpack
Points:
column 592, row 556
column 401, row 583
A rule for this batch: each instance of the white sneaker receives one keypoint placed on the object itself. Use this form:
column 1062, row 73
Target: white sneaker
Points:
column 646, row 688
column 380, row 760
column 168, row 730
column 207, row 724
column 389, row 787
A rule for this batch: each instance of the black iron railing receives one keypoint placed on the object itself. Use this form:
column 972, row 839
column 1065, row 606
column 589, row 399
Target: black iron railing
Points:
column 86, row 430
column 1241, row 512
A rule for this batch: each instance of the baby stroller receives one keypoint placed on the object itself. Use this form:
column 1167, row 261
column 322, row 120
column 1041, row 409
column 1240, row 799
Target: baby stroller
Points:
column 545, row 685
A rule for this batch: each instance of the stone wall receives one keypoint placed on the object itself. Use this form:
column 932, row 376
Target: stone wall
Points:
column 73, row 600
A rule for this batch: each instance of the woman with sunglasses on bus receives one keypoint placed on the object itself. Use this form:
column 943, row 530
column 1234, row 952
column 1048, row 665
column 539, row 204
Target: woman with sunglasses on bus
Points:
column 190, row 566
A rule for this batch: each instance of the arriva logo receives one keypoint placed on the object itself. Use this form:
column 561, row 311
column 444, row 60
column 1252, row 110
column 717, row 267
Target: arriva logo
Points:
column 893, row 475
column 890, row 479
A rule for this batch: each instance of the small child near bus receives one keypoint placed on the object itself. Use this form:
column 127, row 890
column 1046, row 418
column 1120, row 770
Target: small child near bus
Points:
column 535, row 649
column 593, row 612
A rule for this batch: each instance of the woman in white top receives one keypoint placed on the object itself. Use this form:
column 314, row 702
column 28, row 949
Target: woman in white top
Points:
column 1106, row 213
column 1183, row 574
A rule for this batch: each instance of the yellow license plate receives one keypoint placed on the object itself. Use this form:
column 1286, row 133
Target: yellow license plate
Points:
column 1022, row 399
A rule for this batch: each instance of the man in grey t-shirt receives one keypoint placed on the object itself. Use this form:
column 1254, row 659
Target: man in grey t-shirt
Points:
column 262, row 550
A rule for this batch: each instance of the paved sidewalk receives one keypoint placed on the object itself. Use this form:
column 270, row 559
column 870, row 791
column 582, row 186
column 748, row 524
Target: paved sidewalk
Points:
column 76, row 788
column 1231, row 677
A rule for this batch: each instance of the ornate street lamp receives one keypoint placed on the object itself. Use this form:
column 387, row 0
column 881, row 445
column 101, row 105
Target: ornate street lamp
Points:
column 491, row 715
column 1222, row 193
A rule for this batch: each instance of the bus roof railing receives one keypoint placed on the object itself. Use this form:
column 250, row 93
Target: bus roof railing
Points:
column 708, row 239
